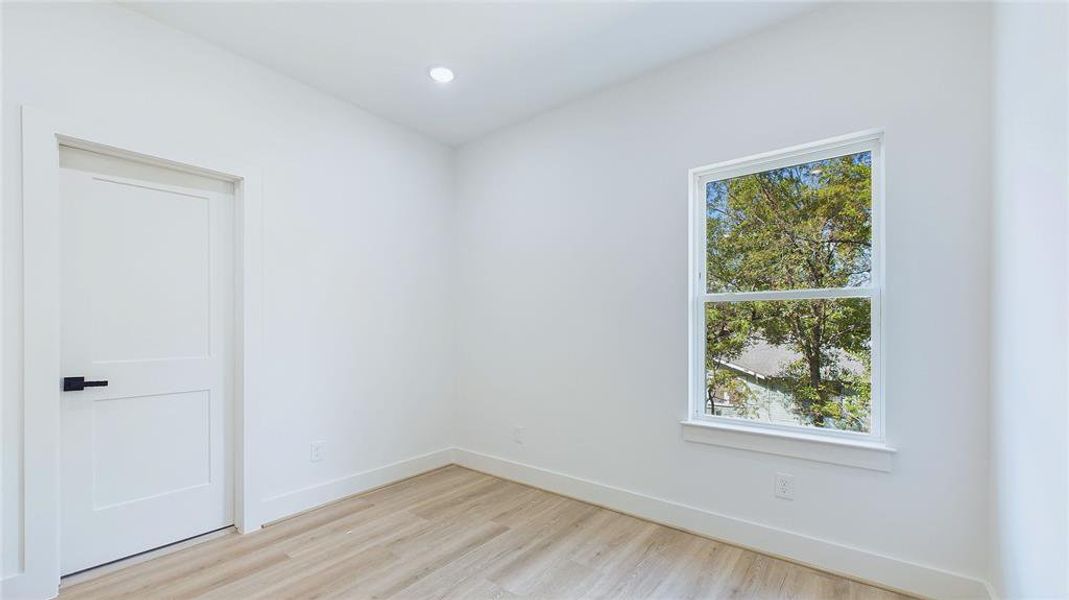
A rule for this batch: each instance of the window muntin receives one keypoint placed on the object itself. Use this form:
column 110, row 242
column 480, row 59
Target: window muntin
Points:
column 787, row 305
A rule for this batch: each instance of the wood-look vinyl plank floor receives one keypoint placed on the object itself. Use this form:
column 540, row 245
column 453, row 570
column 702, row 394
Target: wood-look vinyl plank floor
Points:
column 459, row 534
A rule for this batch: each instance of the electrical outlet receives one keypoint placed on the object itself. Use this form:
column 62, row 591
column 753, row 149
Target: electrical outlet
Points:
column 518, row 434
column 317, row 451
column 784, row 486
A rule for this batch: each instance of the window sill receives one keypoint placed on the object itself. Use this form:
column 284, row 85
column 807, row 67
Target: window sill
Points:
column 852, row 453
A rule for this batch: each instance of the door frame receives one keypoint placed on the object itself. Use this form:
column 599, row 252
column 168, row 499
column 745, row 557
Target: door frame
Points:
column 42, row 136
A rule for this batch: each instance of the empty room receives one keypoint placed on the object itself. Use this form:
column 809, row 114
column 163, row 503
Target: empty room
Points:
column 534, row 300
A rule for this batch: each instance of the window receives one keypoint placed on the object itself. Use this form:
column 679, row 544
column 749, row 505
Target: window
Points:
column 786, row 290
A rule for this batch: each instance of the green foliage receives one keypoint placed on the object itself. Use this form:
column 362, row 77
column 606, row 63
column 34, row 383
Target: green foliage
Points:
column 799, row 227
column 728, row 328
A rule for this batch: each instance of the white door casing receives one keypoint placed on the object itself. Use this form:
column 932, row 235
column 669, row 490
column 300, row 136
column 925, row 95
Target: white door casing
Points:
column 147, row 305
column 37, row 573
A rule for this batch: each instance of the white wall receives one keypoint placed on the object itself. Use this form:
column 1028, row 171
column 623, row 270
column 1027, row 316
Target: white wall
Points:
column 572, row 295
column 1030, row 416
column 357, row 224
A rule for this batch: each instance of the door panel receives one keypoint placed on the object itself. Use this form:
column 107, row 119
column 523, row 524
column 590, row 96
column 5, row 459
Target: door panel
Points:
column 147, row 304
column 133, row 459
column 155, row 246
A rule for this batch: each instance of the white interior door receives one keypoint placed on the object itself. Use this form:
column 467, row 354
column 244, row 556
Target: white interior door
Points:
column 147, row 305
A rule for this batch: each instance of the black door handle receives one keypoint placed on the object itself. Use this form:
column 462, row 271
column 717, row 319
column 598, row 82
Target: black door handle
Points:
column 77, row 384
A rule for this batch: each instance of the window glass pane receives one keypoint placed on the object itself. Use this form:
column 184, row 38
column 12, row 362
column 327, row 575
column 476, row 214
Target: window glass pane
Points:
column 805, row 226
column 790, row 362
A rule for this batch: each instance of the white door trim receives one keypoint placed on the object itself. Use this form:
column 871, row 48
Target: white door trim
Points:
column 42, row 136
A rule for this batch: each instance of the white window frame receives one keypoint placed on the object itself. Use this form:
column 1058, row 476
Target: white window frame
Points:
column 701, row 427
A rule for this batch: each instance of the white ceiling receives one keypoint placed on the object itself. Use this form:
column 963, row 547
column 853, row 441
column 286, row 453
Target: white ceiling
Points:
column 512, row 60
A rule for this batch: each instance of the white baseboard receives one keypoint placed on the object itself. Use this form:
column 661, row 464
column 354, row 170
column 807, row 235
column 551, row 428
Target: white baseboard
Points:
column 821, row 554
column 290, row 503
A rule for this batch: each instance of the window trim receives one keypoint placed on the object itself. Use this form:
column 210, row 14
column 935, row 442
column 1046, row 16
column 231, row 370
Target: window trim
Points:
column 863, row 454
column 865, row 141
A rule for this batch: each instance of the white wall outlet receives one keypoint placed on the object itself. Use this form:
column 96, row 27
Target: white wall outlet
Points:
column 518, row 434
column 317, row 451
column 785, row 486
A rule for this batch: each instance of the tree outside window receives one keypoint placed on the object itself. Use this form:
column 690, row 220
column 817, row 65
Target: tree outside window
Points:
column 793, row 361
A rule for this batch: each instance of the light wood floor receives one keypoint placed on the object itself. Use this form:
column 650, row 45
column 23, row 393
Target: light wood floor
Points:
column 456, row 533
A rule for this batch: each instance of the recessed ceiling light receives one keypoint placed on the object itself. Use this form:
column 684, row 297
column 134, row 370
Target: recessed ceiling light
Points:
column 441, row 74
